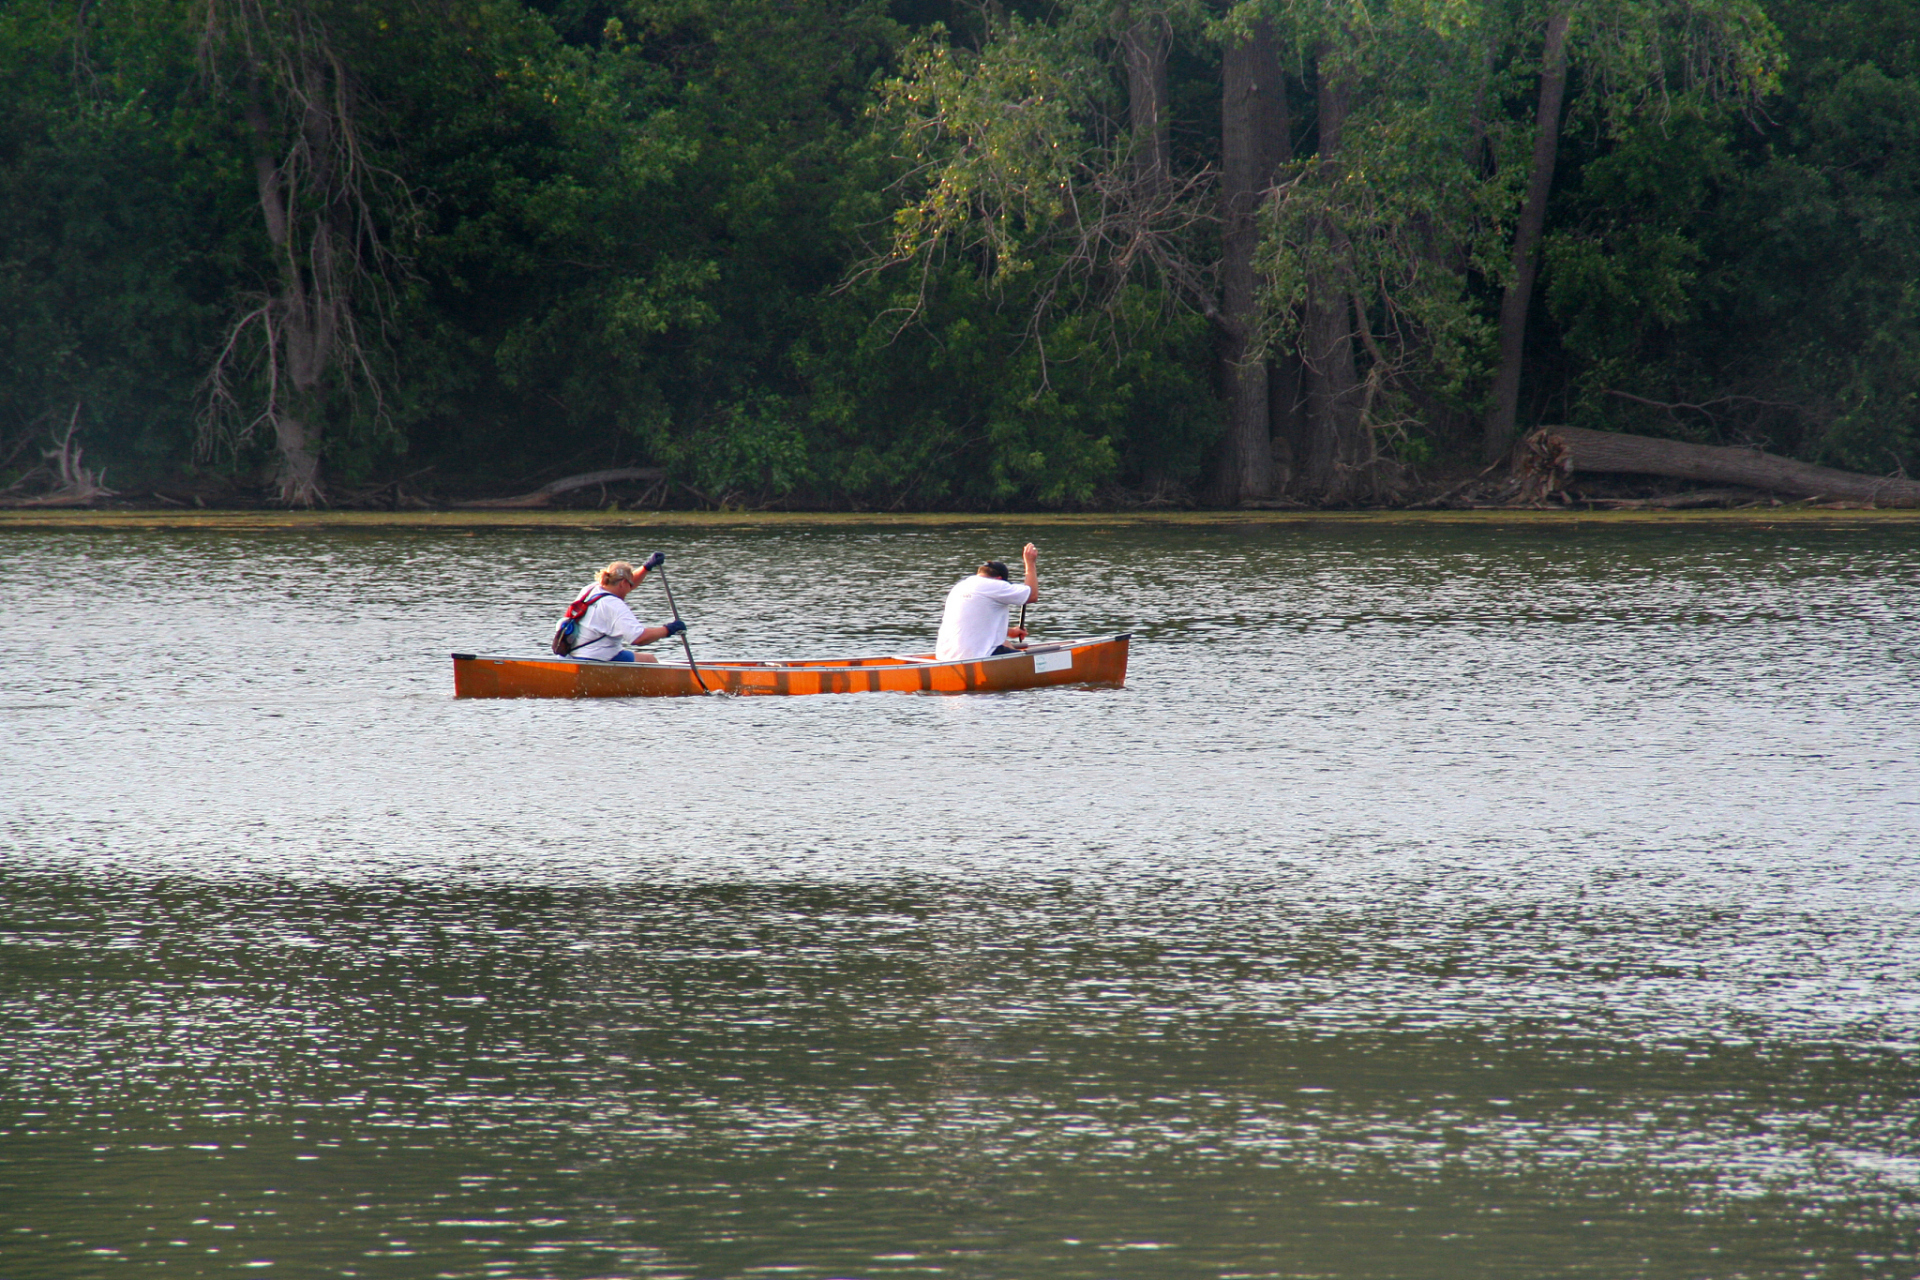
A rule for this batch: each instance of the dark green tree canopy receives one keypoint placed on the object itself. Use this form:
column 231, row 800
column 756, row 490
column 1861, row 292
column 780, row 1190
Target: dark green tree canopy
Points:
column 878, row 256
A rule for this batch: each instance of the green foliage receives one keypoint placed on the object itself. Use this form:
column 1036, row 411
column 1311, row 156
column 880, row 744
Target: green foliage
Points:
column 111, row 240
column 1640, row 55
column 752, row 446
column 1623, row 266
column 641, row 231
column 964, row 406
column 1841, row 258
column 993, row 141
column 1409, row 217
column 634, row 232
column 1035, row 323
column 1752, row 279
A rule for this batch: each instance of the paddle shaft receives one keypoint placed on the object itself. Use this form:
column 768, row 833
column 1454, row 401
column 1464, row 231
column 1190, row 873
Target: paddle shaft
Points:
column 691, row 664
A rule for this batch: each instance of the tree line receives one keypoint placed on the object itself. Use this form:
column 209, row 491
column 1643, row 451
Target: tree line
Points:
column 873, row 255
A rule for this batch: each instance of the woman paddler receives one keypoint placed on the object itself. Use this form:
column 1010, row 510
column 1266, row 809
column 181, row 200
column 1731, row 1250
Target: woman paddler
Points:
column 608, row 625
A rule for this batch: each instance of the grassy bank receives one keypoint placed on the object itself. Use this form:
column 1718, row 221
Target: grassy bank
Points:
column 471, row 521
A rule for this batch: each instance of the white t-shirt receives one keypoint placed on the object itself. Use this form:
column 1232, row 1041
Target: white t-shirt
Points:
column 975, row 623
column 606, row 627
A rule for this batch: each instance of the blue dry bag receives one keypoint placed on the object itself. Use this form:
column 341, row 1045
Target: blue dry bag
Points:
column 566, row 636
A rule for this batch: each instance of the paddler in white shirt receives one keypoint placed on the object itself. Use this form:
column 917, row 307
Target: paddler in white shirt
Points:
column 608, row 625
column 975, row 623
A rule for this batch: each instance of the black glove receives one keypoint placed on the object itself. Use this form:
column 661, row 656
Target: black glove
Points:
column 675, row 627
column 654, row 561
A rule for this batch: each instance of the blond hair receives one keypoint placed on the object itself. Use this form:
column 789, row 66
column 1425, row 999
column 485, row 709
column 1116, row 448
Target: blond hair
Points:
column 618, row 571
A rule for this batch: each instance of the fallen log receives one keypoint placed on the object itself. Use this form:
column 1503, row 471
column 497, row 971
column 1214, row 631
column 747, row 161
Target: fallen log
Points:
column 1677, row 501
column 547, row 492
column 1646, row 455
column 61, row 498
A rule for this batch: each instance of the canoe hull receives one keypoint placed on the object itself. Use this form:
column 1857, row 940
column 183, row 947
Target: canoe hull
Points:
column 1084, row 662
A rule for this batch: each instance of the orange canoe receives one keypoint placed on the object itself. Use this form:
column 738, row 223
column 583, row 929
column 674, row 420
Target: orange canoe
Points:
column 1102, row 662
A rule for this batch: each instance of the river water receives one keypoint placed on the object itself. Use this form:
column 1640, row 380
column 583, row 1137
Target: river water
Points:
column 1433, row 902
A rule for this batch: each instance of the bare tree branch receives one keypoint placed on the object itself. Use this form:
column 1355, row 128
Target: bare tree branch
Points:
column 330, row 213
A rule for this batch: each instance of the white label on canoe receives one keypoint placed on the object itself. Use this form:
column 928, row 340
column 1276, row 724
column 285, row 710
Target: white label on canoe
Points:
column 1058, row 660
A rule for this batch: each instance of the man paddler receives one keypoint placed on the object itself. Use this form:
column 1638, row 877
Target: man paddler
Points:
column 975, row 623
column 608, row 625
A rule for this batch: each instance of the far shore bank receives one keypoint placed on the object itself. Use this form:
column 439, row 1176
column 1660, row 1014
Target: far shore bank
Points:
column 121, row 519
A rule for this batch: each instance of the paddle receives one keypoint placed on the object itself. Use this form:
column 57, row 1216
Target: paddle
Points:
column 1023, row 626
column 661, row 569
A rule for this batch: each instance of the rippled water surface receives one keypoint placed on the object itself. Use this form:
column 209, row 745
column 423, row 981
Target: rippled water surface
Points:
column 1433, row 902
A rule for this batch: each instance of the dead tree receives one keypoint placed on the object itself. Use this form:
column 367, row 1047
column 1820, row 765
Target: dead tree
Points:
column 75, row 485
column 310, row 334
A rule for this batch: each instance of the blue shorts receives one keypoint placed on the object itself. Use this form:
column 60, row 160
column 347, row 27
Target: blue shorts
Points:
column 625, row 655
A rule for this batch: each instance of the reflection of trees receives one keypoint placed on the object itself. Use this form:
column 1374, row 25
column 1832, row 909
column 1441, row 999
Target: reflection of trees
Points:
column 811, row 1075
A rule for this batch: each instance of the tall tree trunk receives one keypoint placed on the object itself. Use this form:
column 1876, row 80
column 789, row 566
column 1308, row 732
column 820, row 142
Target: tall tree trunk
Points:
column 1336, row 448
column 299, row 479
column 301, row 317
column 1505, row 399
column 1253, row 137
column 1285, row 373
column 1146, row 39
column 1287, row 414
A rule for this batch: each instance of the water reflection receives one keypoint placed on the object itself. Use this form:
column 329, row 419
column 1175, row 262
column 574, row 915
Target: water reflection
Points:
column 1433, row 902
